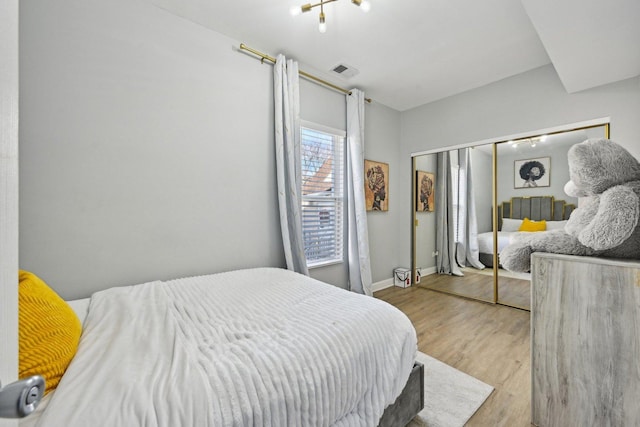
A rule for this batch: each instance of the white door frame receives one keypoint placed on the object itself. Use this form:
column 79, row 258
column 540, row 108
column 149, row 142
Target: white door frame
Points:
column 8, row 194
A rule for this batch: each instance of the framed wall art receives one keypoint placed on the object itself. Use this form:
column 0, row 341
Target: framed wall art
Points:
column 425, row 191
column 376, row 185
column 532, row 173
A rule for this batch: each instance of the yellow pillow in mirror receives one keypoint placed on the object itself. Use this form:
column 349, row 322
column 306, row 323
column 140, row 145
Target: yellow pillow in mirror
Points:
column 529, row 225
column 48, row 329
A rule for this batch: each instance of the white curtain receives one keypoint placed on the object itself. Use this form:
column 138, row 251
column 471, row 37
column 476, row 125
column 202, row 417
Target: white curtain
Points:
column 286, row 93
column 445, row 231
column 357, row 236
column 468, row 252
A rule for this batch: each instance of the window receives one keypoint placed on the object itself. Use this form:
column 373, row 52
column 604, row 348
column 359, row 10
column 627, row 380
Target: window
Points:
column 322, row 194
column 459, row 187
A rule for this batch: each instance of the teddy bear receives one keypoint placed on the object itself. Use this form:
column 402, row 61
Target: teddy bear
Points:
column 606, row 177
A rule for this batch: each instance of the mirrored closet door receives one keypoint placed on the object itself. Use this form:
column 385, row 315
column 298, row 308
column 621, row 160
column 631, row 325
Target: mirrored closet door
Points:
column 530, row 177
column 470, row 203
column 452, row 207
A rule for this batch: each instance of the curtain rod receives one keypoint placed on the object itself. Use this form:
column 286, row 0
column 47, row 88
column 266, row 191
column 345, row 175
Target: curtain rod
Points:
column 302, row 73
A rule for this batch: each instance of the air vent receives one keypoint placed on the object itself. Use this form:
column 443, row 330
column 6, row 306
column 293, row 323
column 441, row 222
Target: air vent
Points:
column 344, row 70
column 340, row 68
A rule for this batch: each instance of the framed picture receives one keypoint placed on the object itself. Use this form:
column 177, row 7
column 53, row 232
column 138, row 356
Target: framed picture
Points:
column 376, row 185
column 425, row 191
column 531, row 173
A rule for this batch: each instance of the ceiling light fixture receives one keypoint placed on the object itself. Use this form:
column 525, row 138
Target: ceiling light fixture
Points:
column 531, row 141
column 322, row 27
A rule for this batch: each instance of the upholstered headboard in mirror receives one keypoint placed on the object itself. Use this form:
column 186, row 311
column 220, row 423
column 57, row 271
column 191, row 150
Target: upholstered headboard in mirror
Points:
column 535, row 208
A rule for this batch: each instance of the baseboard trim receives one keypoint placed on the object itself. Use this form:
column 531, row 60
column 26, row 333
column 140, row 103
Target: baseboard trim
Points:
column 387, row 283
column 428, row 271
column 383, row 284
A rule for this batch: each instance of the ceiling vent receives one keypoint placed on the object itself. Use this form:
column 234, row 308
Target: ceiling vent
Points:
column 344, row 70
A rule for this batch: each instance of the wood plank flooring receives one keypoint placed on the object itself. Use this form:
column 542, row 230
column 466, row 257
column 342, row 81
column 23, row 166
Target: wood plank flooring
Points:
column 511, row 291
column 489, row 342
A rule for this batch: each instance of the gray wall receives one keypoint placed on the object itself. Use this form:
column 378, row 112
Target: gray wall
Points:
column 482, row 173
column 382, row 139
column 523, row 103
column 146, row 150
column 527, row 102
column 558, row 173
column 133, row 125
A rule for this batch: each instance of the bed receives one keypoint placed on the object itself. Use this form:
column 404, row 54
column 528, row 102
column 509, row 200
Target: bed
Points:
column 510, row 216
column 249, row 347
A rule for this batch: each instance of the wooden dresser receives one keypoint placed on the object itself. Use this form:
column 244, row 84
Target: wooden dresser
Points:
column 585, row 341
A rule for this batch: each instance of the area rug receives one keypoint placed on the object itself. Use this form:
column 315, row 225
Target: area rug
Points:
column 451, row 397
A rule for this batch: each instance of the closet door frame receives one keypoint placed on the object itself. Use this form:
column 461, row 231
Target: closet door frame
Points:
column 604, row 121
column 9, row 195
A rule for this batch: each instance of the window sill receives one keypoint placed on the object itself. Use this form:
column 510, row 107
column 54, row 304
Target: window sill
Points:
column 318, row 264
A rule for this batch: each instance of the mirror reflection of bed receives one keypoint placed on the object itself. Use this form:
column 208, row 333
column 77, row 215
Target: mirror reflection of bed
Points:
column 507, row 166
column 512, row 218
column 547, row 200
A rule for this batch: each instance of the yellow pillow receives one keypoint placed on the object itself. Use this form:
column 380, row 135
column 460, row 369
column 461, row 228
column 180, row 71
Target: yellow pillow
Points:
column 49, row 331
column 529, row 225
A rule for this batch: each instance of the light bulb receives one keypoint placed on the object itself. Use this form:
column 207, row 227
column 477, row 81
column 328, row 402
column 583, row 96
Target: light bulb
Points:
column 296, row 10
column 543, row 138
column 365, row 6
column 322, row 27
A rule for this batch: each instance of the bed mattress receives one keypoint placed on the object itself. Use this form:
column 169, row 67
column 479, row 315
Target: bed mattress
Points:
column 264, row 347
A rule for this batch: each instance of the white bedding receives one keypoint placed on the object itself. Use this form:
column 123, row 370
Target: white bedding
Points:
column 510, row 233
column 262, row 347
column 80, row 307
column 485, row 240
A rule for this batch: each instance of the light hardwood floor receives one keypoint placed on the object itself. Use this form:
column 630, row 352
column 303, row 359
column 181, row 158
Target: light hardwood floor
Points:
column 489, row 342
column 478, row 285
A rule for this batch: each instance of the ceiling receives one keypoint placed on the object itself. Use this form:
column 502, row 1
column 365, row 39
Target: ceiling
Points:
column 412, row 52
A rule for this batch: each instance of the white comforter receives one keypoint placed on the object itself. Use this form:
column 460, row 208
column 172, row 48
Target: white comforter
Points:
column 485, row 240
column 262, row 347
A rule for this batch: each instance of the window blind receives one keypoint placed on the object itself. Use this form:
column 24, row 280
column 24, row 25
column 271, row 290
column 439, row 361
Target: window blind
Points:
column 322, row 195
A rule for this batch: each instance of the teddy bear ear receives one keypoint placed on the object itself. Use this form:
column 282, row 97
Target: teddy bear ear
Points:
column 598, row 164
